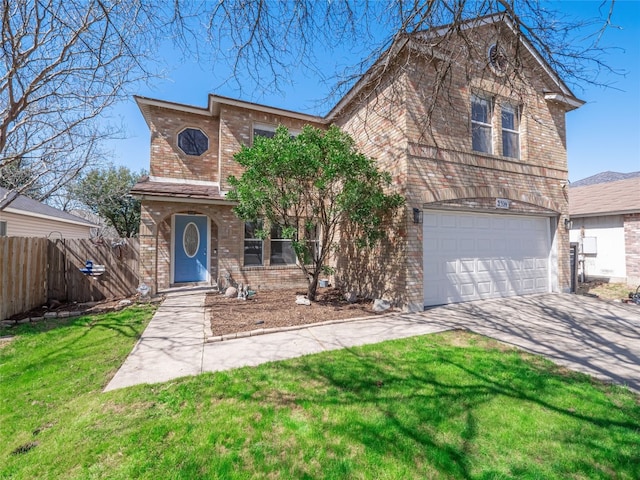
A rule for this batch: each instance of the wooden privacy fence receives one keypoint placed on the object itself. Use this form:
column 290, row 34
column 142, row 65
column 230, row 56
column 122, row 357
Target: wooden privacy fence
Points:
column 37, row 270
column 23, row 274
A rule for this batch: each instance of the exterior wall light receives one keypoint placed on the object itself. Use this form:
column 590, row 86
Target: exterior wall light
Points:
column 417, row 215
column 567, row 223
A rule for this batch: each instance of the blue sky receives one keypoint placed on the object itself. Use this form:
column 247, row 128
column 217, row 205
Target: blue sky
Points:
column 602, row 135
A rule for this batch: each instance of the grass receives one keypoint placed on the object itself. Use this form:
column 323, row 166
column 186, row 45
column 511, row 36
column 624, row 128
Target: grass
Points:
column 607, row 291
column 453, row 405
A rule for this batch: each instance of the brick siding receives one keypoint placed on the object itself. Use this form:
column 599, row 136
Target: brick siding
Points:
column 425, row 146
column 632, row 247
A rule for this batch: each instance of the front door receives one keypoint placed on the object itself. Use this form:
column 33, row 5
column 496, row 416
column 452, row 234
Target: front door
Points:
column 190, row 247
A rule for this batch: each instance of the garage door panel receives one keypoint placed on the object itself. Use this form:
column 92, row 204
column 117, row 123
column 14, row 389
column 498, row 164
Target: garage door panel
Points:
column 448, row 221
column 484, row 265
column 483, row 256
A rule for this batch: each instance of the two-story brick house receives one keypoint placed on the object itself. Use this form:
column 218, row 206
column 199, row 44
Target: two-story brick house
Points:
column 473, row 139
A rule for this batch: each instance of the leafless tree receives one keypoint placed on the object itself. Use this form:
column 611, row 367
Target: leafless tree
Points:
column 63, row 63
column 266, row 40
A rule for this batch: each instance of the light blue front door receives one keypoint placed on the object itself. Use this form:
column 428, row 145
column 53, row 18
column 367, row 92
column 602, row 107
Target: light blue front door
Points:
column 190, row 248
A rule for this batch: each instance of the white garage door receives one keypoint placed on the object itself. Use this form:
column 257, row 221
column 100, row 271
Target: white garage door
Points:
column 470, row 256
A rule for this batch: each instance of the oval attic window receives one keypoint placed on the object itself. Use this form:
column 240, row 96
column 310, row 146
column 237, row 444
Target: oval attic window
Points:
column 498, row 59
column 193, row 141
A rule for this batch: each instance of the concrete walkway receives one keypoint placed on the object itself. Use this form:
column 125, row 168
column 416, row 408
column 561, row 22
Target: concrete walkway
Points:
column 581, row 333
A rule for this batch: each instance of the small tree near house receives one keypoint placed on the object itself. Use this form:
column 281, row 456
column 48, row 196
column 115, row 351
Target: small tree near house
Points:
column 309, row 186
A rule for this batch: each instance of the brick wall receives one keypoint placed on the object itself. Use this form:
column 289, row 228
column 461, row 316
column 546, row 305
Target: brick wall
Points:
column 632, row 247
column 226, row 250
column 167, row 159
column 376, row 121
column 236, row 130
column 417, row 131
column 421, row 133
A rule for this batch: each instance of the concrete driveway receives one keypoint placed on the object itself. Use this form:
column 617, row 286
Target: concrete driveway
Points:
column 581, row 333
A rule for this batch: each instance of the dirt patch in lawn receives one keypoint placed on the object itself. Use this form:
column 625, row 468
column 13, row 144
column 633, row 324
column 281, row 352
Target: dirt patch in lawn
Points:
column 277, row 308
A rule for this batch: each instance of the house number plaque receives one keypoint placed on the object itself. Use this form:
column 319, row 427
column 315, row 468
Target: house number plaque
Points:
column 502, row 203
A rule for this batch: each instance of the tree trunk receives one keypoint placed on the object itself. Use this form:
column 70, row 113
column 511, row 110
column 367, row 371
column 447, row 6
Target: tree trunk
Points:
column 313, row 287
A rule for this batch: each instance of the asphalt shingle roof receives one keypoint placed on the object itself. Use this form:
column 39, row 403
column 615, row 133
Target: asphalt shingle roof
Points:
column 622, row 196
column 29, row 205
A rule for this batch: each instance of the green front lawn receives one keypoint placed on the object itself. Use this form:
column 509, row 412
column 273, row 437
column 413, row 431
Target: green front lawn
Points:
column 453, row 405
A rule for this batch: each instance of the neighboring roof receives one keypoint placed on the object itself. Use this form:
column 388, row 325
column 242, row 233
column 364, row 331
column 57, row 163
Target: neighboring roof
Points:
column 610, row 198
column 148, row 188
column 604, row 177
column 29, row 206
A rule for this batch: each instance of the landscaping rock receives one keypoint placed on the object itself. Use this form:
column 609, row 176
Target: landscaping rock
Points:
column 302, row 300
column 380, row 305
column 50, row 315
column 231, row 292
column 350, row 297
column 125, row 302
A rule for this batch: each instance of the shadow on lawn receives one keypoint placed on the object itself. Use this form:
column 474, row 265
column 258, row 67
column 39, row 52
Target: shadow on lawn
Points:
column 428, row 418
column 76, row 337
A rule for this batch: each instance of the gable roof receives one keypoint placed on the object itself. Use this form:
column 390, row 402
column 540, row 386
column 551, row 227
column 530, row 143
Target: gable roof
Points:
column 562, row 95
column 21, row 204
column 610, row 198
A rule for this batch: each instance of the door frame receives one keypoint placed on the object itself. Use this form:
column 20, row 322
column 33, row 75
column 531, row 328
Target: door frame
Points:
column 172, row 248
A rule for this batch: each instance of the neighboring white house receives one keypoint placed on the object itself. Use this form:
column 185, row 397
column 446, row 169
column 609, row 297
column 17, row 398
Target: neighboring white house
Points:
column 605, row 215
column 21, row 216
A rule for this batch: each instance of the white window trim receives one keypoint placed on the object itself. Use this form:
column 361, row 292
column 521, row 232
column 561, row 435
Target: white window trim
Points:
column 475, row 97
column 250, row 239
column 516, row 114
column 283, row 241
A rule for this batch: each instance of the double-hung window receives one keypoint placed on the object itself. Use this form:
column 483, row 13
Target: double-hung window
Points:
column 510, row 131
column 282, row 252
column 481, row 124
column 252, row 244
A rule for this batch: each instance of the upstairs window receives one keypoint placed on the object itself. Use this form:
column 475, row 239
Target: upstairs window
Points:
column 252, row 244
column 282, row 252
column 510, row 131
column 481, row 124
column 193, row 141
column 3, row 229
column 267, row 131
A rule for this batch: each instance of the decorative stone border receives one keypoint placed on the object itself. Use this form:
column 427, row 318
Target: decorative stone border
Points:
column 210, row 338
column 77, row 313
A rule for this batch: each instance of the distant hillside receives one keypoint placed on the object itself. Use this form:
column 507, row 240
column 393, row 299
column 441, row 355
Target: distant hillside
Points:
column 604, row 177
